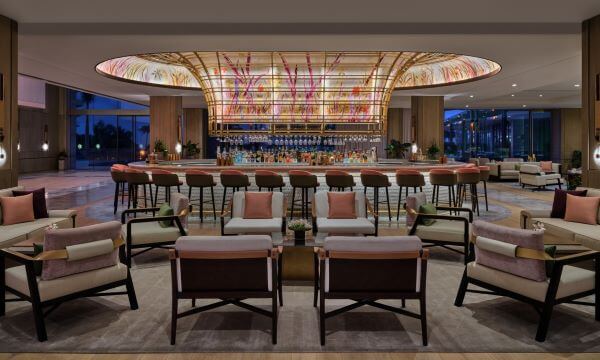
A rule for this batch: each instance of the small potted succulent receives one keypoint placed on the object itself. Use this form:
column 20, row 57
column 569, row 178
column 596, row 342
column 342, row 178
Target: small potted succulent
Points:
column 299, row 227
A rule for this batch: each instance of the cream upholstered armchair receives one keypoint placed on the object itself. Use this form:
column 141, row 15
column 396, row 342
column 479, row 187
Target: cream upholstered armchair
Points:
column 238, row 225
column 532, row 175
column 444, row 230
column 147, row 232
column 75, row 263
column 361, row 225
column 512, row 262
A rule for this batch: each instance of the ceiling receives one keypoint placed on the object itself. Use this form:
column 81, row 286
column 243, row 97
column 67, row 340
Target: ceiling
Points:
column 537, row 42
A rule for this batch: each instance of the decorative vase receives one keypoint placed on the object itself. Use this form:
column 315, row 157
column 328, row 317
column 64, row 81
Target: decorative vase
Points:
column 299, row 236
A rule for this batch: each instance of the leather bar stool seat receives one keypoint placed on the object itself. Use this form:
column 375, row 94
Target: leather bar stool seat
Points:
column 446, row 178
column 117, row 173
column 468, row 177
column 339, row 180
column 304, row 181
column 235, row 180
column 269, row 180
column 405, row 179
column 484, row 177
column 136, row 178
column 201, row 180
column 376, row 180
column 165, row 179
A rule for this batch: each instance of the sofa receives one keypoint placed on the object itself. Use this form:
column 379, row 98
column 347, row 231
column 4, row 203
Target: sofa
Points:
column 509, row 169
column 532, row 175
column 568, row 232
column 12, row 234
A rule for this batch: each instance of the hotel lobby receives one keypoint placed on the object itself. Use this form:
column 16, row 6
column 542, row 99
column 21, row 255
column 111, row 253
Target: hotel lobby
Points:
column 319, row 180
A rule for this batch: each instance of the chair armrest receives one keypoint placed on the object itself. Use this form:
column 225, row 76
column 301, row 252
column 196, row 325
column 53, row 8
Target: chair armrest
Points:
column 528, row 214
column 578, row 257
column 62, row 213
column 136, row 210
column 457, row 209
column 17, row 256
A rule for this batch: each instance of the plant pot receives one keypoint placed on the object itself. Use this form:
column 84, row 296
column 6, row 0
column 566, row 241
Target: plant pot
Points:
column 299, row 237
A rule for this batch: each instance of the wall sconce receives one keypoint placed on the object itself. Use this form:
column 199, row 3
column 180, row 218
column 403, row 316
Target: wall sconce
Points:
column 45, row 145
column 1, row 143
column 178, row 146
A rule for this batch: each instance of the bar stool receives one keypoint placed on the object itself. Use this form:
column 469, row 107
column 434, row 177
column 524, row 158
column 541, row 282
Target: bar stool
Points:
column 234, row 179
column 268, row 179
column 166, row 179
column 201, row 179
column 468, row 177
column 135, row 178
column 484, row 176
column 443, row 177
column 117, row 173
column 408, row 178
column 376, row 180
column 339, row 180
column 305, row 181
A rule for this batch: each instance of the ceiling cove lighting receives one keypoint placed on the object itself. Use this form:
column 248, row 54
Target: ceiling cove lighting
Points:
column 298, row 92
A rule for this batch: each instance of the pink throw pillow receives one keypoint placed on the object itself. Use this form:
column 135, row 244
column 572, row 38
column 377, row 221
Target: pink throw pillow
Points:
column 258, row 205
column 546, row 166
column 18, row 209
column 341, row 205
column 582, row 209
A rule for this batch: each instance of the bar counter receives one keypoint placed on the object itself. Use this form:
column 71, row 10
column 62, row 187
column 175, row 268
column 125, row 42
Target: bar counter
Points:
column 209, row 165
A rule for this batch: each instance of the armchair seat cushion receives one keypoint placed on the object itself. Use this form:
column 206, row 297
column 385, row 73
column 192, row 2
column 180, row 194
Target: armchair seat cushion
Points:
column 150, row 233
column 16, row 278
column 574, row 280
column 238, row 225
column 12, row 234
column 359, row 225
column 443, row 230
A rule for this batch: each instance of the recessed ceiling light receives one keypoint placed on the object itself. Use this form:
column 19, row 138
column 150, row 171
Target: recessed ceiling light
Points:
column 471, row 96
column 514, row 85
column 577, row 85
column 512, row 95
column 466, row 106
column 524, row 106
column 541, row 95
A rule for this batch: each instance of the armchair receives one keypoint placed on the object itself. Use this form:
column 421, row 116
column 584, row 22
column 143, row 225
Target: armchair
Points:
column 448, row 231
column 146, row 232
column 238, row 225
column 366, row 270
column 511, row 262
column 532, row 175
column 79, row 262
column 360, row 225
column 221, row 261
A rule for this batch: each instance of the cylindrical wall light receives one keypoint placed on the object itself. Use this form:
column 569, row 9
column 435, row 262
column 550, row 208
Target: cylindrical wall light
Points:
column 178, row 146
column 45, row 145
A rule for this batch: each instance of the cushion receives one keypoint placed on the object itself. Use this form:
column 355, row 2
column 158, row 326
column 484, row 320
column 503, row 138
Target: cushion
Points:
column 8, row 192
column 341, row 205
column 373, row 244
column 546, row 166
column 165, row 210
column 573, row 280
column 39, row 201
column 359, row 225
column 17, row 210
column 428, row 209
column 321, row 200
column 258, row 205
column 253, row 226
column 444, row 230
column 582, row 209
column 239, row 200
column 151, row 233
column 16, row 278
column 59, row 239
column 592, row 192
column 559, row 206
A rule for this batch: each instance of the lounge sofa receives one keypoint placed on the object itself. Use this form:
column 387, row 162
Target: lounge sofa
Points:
column 12, row 234
column 571, row 232
column 509, row 169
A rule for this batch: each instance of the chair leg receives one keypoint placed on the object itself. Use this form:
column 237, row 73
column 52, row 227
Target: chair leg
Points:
column 145, row 197
column 486, row 197
column 293, row 197
column 123, row 193
column 38, row 316
column 542, row 329
column 155, row 195
column 274, row 319
column 322, row 318
column 303, row 199
column 190, row 194
column 423, row 314
column 376, row 199
column 462, row 290
column 133, row 304
column 399, row 201
column 116, row 199
column 437, row 195
column 212, row 195
column 201, row 207
column 387, row 196
column 280, row 278
column 174, row 320
column 224, row 197
column 2, row 286
column 316, row 279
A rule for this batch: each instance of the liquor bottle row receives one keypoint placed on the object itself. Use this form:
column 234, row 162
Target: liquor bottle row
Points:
column 240, row 157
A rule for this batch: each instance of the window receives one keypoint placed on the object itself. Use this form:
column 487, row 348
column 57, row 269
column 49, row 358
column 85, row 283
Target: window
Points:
column 497, row 134
column 107, row 131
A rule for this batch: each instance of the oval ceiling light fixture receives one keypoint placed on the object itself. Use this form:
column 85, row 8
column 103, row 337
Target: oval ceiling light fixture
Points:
column 317, row 88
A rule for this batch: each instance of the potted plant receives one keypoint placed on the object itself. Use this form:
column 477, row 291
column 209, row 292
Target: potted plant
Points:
column 160, row 148
column 299, row 227
column 432, row 151
column 191, row 149
column 397, row 150
column 62, row 158
column 576, row 159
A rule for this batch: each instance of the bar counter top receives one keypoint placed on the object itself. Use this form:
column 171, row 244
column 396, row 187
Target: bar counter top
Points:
column 208, row 165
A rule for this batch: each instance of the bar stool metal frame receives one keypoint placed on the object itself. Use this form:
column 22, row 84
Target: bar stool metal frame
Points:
column 135, row 178
column 376, row 180
column 201, row 180
column 232, row 179
column 166, row 179
column 444, row 175
column 468, row 177
column 484, row 176
column 117, row 173
column 339, row 180
column 417, row 180
column 269, row 180
column 305, row 181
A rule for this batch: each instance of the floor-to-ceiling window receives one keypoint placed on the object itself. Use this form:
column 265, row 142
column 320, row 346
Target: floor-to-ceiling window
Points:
column 498, row 134
column 106, row 131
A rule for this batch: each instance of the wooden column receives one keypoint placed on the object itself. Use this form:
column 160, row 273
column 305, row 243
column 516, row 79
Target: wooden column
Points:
column 571, row 134
column 428, row 121
column 9, row 158
column 591, row 101
column 165, row 114
column 193, row 121
column 395, row 124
